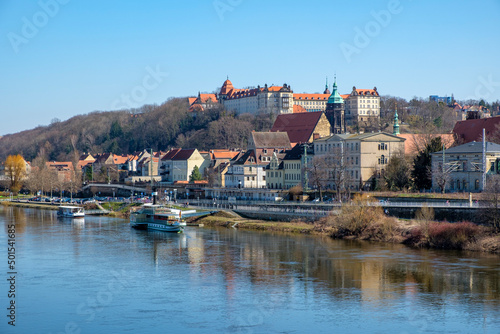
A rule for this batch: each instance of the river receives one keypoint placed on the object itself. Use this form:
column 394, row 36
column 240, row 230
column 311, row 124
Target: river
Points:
column 99, row 276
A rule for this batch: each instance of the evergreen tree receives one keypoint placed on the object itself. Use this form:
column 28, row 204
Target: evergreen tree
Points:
column 398, row 173
column 422, row 177
column 195, row 175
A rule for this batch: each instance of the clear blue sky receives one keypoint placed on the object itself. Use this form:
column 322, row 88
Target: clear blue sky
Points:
column 82, row 56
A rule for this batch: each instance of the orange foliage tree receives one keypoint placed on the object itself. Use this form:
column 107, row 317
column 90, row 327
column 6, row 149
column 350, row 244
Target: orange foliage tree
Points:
column 15, row 170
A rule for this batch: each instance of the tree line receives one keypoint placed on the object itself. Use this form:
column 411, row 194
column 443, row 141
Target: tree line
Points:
column 159, row 127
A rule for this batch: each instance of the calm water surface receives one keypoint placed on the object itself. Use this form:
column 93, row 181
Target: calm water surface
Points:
column 100, row 276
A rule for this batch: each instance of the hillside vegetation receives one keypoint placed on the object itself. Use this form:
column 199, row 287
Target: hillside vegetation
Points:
column 159, row 127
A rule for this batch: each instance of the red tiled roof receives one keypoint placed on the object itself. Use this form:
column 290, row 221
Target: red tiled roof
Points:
column 472, row 129
column 83, row 163
column 227, row 86
column 415, row 143
column 204, row 98
column 120, row 159
column 274, row 88
column 191, row 100
column 223, row 154
column 170, row 154
column 311, row 96
column 196, row 108
column 183, row 154
column 372, row 92
column 345, row 96
column 240, row 93
column 299, row 126
column 298, row 108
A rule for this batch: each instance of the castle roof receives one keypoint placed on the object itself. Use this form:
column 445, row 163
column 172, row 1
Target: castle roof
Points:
column 335, row 96
column 366, row 92
column 227, row 86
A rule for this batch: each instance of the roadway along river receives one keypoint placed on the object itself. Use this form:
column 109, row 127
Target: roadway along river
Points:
column 100, row 276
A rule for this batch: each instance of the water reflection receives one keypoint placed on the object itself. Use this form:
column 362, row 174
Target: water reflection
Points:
column 234, row 280
column 366, row 271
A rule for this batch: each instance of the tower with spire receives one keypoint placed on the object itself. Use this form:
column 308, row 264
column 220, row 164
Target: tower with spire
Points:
column 335, row 110
column 395, row 129
column 327, row 91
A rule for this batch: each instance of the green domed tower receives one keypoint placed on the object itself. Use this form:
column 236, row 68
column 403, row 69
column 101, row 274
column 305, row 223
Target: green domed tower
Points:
column 335, row 110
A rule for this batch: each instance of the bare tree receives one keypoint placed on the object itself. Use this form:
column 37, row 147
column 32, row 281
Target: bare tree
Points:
column 336, row 165
column 318, row 174
column 491, row 198
column 441, row 173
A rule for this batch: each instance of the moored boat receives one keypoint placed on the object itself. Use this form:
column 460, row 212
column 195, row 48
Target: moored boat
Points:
column 70, row 212
column 156, row 217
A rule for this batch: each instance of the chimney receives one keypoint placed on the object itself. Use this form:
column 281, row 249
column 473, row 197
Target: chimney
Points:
column 315, row 136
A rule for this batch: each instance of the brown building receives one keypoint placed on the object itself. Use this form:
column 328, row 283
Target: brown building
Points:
column 303, row 127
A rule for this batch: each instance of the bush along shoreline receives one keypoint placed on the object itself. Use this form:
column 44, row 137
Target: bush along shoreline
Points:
column 361, row 221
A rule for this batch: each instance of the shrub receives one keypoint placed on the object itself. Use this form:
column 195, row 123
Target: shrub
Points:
column 356, row 217
column 424, row 213
column 424, row 216
column 452, row 235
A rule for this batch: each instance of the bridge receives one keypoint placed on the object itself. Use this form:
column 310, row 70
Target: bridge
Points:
column 444, row 210
column 110, row 188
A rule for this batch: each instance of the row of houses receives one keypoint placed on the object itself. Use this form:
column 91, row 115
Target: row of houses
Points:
column 278, row 159
column 284, row 158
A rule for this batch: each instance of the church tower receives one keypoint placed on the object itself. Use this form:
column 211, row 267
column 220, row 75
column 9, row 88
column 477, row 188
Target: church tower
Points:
column 335, row 110
column 395, row 129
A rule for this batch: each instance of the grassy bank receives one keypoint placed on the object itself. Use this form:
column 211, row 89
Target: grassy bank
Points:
column 223, row 219
column 359, row 221
column 30, row 205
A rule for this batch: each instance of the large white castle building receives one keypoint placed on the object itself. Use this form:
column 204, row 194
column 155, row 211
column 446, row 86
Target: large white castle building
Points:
column 361, row 106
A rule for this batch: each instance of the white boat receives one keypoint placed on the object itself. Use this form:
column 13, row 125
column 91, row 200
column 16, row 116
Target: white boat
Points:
column 70, row 212
column 156, row 217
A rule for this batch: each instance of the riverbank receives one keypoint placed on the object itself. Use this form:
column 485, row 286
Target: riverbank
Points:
column 358, row 222
column 117, row 210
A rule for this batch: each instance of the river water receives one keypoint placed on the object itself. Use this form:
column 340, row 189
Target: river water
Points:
column 100, row 276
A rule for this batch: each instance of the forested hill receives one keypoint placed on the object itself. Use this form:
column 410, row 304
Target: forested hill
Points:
column 127, row 131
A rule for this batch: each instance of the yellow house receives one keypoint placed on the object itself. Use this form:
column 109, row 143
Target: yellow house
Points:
column 184, row 162
column 360, row 156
